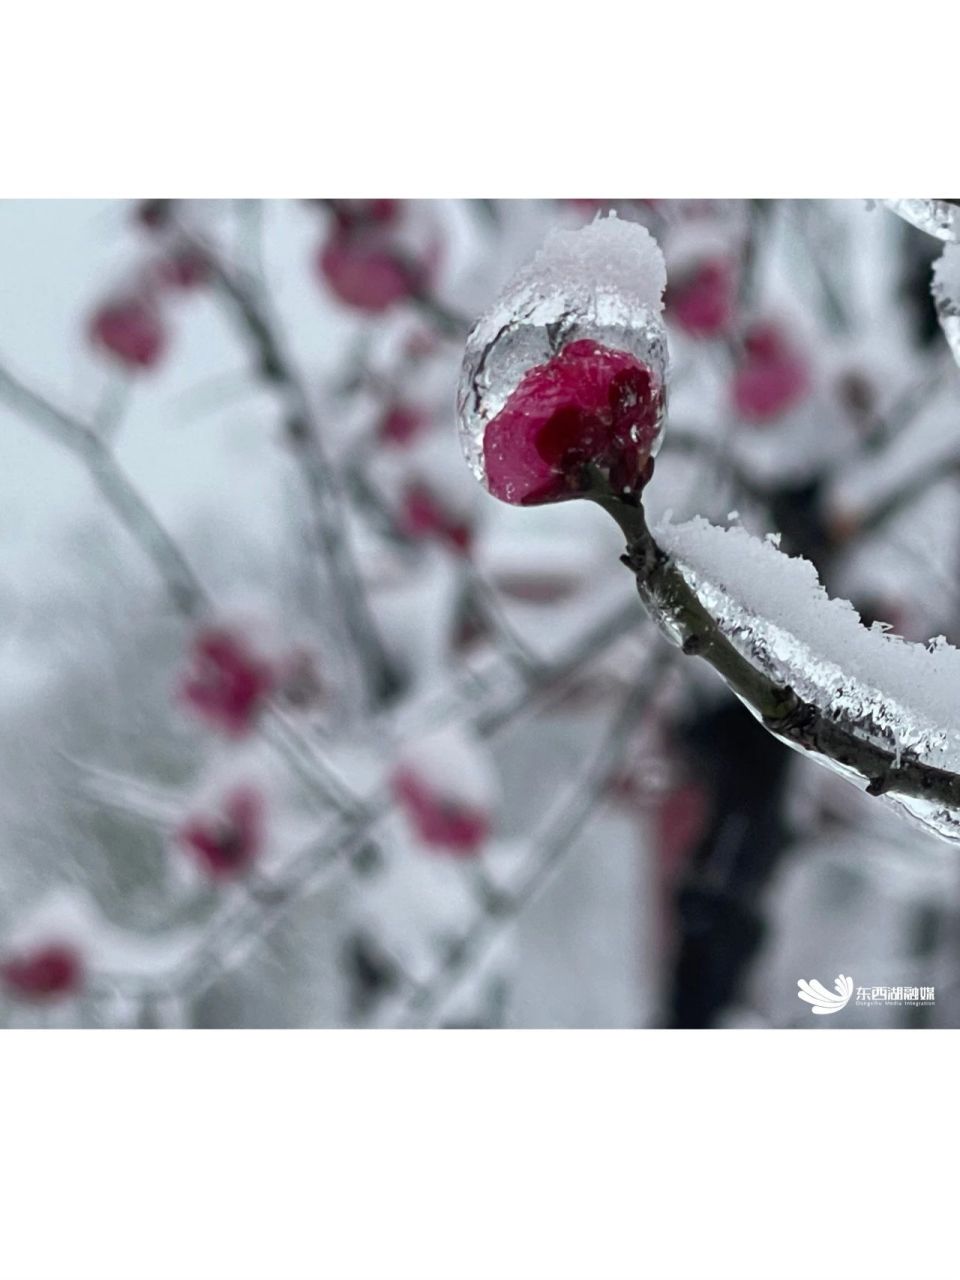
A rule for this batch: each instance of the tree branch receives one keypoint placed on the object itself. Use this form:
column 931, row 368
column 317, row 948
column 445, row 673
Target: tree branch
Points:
column 671, row 600
column 328, row 517
column 115, row 487
column 499, row 910
column 341, row 848
column 182, row 584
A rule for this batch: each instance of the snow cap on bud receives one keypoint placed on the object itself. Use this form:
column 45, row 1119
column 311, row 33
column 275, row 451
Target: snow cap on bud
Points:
column 446, row 788
column 562, row 392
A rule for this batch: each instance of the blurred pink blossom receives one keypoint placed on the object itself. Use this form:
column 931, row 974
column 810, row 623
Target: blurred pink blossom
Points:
column 227, row 683
column 45, row 972
column 441, row 822
column 227, row 843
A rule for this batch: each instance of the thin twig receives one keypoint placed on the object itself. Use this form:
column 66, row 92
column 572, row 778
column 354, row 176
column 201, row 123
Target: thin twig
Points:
column 540, row 682
column 487, row 602
column 345, row 846
column 834, row 304
column 327, row 514
column 909, row 404
column 121, row 495
column 182, row 584
column 498, row 911
column 914, row 487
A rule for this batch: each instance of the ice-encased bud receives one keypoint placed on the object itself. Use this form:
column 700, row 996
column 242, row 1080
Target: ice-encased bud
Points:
column 945, row 288
column 565, row 374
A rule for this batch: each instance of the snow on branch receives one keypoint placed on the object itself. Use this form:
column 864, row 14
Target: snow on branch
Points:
column 875, row 708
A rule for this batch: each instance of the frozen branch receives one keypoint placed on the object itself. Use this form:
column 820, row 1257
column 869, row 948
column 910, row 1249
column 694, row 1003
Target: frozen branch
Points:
column 671, row 600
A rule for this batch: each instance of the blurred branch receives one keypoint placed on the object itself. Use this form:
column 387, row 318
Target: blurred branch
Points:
column 450, row 324
column 900, row 499
column 910, row 404
column 307, row 762
column 250, row 219
column 327, row 512
column 760, row 214
column 182, row 584
column 499, row 910
column 540, row 682
column 482, row 595
column 113, row 406
column 486, row 600
column 115, row 487
column 806, row 212
column 344, row 849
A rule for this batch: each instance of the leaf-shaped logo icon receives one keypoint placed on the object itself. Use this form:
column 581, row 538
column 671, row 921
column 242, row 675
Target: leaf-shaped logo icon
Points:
column 822, row 1000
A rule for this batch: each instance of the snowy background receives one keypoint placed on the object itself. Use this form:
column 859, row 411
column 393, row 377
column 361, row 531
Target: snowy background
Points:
column 513, row 807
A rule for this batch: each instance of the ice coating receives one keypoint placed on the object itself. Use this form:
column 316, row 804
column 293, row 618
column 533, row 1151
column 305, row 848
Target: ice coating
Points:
column 940, row 218
column 946, row 296
column 603, row 282
column 903, row 697
column 588, row 416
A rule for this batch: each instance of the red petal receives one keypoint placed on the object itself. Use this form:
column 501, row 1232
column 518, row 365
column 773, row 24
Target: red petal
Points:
column 588, row 404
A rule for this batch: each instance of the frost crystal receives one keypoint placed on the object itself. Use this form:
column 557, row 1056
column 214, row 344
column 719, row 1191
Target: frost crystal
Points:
column 940, row 218
column 946, row 296
column 601, row 284
column 903, row 697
